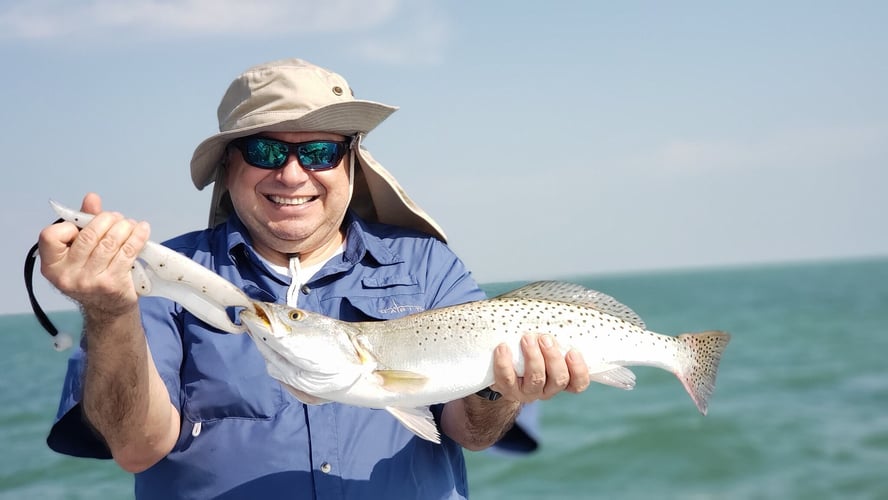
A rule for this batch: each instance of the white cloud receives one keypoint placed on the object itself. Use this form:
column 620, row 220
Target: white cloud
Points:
column 392, row 32
column 48, row 19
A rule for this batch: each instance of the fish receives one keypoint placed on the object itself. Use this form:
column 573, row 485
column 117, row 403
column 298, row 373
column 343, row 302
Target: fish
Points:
column 404, row 365
column 163, row 272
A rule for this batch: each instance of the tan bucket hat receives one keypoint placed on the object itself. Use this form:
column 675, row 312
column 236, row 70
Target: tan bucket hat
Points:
column 293, row 95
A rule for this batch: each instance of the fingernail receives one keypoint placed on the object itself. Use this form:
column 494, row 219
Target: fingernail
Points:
column 547, row 340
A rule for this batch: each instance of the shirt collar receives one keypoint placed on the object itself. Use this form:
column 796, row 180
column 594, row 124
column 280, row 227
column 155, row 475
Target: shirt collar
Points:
column 360, row 242
column 241, row 251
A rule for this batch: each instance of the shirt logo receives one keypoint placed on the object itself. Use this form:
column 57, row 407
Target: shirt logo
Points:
column 396, row 308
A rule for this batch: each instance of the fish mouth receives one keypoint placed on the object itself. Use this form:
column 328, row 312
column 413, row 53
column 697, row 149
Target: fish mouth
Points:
column 260, row 313
column 255, row 316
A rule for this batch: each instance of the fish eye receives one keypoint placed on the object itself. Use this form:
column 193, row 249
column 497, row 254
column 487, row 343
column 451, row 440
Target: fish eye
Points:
column 295, row 315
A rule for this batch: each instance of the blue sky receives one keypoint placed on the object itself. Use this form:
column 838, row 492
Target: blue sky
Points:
column 549, row 139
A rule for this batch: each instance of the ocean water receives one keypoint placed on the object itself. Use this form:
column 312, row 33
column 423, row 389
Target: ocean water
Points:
column 800, row 409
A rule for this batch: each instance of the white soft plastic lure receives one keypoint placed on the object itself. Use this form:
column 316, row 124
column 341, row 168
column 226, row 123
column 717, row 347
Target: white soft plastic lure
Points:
column 162, row 272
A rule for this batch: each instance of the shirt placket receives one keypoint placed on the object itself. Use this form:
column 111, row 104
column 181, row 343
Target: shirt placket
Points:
column 325, row 456
column 322, row 423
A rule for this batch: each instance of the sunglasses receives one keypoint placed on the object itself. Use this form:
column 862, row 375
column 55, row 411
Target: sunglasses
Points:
column 271, row 154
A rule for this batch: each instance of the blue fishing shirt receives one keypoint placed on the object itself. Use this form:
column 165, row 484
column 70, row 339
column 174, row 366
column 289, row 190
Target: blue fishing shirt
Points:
column 243, row 435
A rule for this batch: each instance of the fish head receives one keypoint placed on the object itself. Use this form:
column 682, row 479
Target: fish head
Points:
column 313, row 352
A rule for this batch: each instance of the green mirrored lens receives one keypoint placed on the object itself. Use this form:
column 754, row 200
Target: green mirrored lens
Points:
column 266, row 153
column 320, row 154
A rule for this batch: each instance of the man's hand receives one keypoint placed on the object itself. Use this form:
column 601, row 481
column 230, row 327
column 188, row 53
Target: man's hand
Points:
column 546, row 371
column 92, row 265
column 476, row 423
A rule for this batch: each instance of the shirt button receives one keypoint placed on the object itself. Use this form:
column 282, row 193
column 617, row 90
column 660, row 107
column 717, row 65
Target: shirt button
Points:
column 305, row 289
column 326, row 467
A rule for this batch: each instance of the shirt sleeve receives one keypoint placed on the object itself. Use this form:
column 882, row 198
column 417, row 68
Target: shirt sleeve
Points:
column 162, row 322
column 71, row 434
column 449, row 279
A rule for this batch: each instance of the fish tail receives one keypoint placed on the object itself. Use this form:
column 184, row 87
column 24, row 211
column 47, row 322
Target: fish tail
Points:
column 698, row 376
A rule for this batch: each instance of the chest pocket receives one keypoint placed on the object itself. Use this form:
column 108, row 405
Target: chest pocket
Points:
column 381, row 298
column 224, row 376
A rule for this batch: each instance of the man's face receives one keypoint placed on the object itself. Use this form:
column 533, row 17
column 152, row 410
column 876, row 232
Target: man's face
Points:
column 290, row 210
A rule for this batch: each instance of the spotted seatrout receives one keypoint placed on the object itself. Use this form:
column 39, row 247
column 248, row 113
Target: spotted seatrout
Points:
column 404, row 365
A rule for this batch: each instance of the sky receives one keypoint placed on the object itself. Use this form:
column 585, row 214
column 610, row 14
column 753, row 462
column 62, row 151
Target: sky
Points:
column 549, row 139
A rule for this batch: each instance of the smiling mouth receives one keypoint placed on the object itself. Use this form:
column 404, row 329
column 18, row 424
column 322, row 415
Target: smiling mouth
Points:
column 280, row 200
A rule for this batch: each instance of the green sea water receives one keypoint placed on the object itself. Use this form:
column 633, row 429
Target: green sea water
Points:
column 800, row 409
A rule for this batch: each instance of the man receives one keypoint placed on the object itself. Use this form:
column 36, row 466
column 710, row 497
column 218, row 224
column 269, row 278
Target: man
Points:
column 301, row 214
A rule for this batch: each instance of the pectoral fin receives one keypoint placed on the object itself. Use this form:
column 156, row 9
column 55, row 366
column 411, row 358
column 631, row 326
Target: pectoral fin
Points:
column 419, row 420
column 613, row 375
column 401, row 380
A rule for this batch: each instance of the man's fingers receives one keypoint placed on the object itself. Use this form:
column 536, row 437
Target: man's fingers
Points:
column 546, row 370
column 95, row 246
column 557, row 373
column 506, row 381
column 124, row 240
column 534, row 380
column 54, row 241
column 579, row 372
column 92, row 204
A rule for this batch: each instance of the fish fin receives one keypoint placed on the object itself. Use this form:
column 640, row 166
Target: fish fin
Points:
column 365, row 356
column 698, row 378
column 305, row 398
column 571, row 293
column 401, row 380
column 613, row 375
column 419, row 420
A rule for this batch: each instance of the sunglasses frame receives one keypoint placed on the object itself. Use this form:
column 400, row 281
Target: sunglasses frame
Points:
column 241, row 145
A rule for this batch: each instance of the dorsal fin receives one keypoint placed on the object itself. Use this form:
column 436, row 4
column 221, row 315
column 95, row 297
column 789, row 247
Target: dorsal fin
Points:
column 571, row 293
